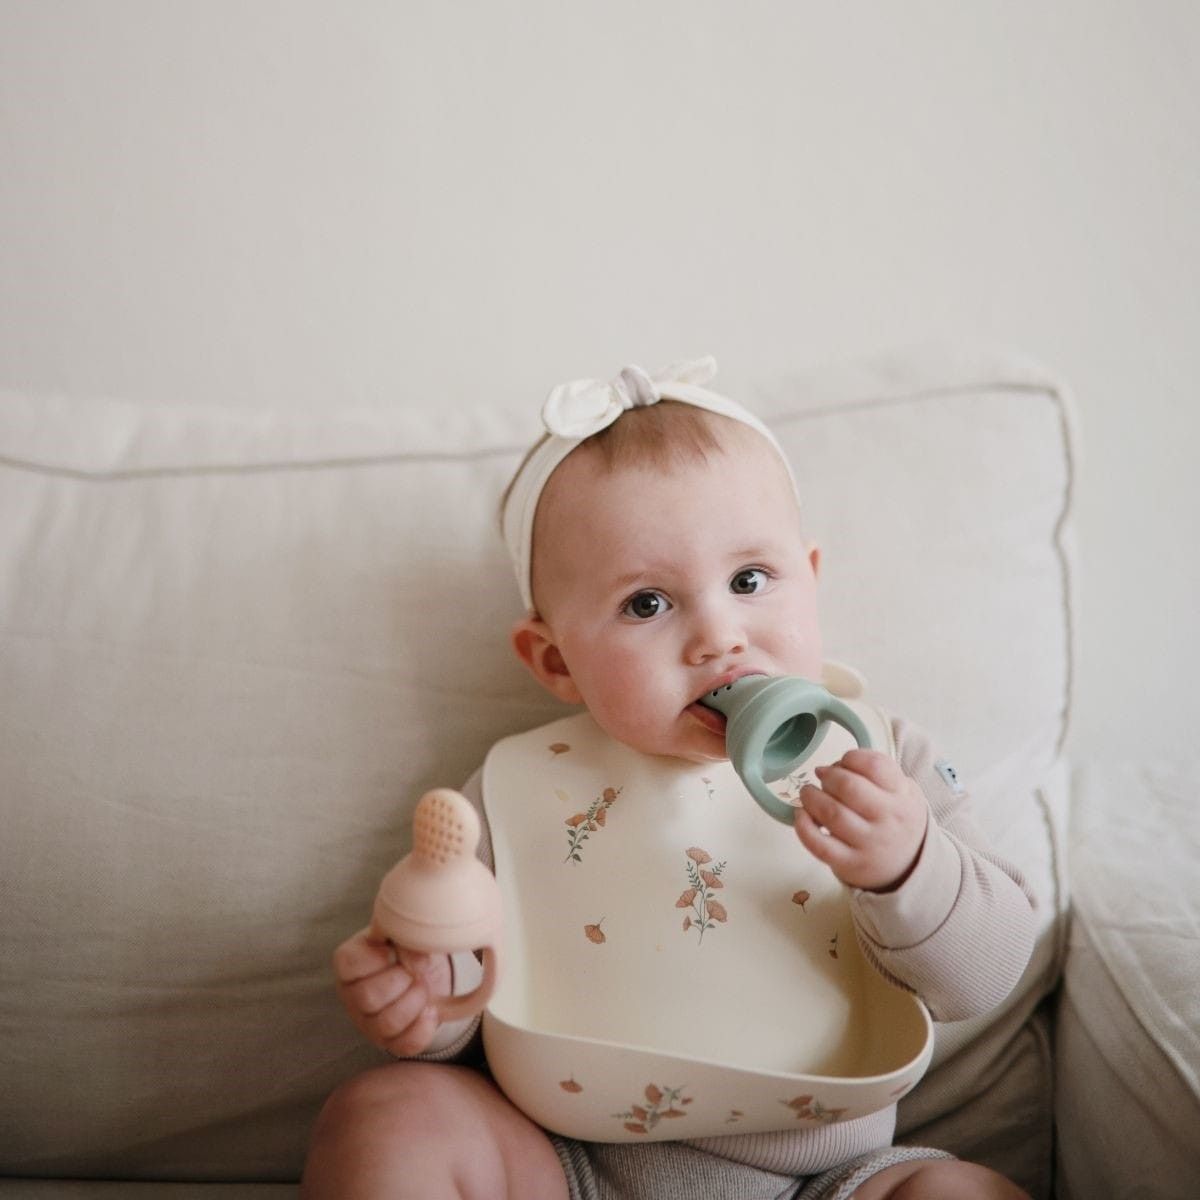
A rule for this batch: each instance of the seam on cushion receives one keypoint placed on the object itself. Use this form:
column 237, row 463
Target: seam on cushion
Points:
column 132, row 474
column 1060, row 397
column 1044, row 1047
column 1058, row 868
column 967, row 391
column 1068, row 426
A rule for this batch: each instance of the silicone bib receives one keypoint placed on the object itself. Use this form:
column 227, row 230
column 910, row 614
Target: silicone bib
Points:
column 677, row 965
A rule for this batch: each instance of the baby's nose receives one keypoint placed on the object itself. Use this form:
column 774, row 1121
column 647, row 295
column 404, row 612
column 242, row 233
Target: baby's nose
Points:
column 715, row 632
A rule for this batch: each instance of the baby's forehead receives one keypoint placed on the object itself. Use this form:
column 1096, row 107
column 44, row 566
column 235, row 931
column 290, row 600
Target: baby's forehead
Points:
column 586, row 475
column 587, row 467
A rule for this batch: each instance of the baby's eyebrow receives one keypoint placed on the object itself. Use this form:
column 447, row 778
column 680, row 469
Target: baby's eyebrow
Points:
column 629, row 578
column 649, row 572
column 754, row 556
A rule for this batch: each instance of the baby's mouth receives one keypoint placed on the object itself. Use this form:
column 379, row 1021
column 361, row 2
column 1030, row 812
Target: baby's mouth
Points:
column 712, row 720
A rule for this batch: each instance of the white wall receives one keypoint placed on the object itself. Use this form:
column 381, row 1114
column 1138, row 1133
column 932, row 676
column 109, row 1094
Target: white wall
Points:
column 315, row 204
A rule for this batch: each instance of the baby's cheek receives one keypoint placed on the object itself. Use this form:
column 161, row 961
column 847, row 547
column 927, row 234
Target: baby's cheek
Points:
column 622, row 679
column 615, row 700
column 802, row 657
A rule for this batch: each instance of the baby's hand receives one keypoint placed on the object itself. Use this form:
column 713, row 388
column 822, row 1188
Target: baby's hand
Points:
column 389, row 992
column 866, row 821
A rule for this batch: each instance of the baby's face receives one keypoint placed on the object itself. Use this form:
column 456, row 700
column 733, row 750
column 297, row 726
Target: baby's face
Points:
column 660, row 586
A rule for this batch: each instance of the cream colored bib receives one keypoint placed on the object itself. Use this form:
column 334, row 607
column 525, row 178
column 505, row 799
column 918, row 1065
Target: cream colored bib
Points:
column 678, row 965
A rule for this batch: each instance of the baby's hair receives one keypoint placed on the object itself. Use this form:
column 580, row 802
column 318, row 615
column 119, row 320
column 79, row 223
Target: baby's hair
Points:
column 659, row 436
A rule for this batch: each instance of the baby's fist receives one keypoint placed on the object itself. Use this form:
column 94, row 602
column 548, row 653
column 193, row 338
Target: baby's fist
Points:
column 866, row 820
column 390, row 993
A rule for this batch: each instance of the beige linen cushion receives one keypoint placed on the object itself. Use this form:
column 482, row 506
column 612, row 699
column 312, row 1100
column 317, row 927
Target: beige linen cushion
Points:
column 1128, row 1028
column 236, row 646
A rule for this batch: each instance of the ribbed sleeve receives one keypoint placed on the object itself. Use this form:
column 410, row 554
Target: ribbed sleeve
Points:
column 960, row 929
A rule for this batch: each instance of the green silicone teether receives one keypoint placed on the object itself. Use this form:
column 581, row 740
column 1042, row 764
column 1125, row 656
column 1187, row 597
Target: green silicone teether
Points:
column 773, row 723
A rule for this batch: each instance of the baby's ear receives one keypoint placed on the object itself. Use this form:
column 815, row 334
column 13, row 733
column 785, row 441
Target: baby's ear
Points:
column 534, row 644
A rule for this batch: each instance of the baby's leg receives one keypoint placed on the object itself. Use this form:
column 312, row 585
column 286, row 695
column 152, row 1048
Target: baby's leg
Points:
column 428, row 1130
column 938, row 1179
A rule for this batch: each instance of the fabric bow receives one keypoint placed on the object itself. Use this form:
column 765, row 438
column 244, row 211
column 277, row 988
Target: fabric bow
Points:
column 585, row 406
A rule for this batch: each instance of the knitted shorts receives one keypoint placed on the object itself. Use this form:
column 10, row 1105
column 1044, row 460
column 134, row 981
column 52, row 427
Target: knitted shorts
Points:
column 674, row 1171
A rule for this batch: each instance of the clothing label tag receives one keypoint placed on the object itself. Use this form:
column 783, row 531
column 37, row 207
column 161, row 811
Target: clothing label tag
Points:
column 945, row 768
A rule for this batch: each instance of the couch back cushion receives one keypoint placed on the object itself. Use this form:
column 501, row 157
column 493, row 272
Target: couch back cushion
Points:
column 236, row 646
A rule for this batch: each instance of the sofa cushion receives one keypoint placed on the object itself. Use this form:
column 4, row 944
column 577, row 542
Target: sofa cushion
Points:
column 1128, row 1029
column 238, row 645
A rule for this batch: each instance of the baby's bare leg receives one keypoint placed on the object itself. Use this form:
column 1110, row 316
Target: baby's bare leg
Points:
column 428, row 1130
column 938, row 1179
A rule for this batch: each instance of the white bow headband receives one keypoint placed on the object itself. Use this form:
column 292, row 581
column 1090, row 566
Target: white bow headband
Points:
column 575, row 411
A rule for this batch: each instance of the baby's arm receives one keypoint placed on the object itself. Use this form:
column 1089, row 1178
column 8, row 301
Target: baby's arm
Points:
column 958, row 927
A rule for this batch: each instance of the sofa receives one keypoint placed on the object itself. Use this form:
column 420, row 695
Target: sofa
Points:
column 237, row 645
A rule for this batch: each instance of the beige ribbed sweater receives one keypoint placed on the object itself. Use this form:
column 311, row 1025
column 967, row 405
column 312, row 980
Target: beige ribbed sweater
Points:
column 958, row 932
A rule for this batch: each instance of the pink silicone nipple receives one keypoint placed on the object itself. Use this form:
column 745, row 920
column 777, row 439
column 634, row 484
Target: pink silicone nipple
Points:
column 440, row 899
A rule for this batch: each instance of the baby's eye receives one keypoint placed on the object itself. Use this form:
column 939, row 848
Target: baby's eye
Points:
column 645, row 605
column 748, row 581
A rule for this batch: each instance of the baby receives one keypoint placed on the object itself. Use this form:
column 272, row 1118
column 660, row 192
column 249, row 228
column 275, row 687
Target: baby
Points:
column 657, row 540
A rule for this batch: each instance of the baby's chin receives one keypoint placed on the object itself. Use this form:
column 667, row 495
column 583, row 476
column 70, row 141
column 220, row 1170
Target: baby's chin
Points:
column 696, row 737
column 704, row 743
column 684, row 752
column 697, row 751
